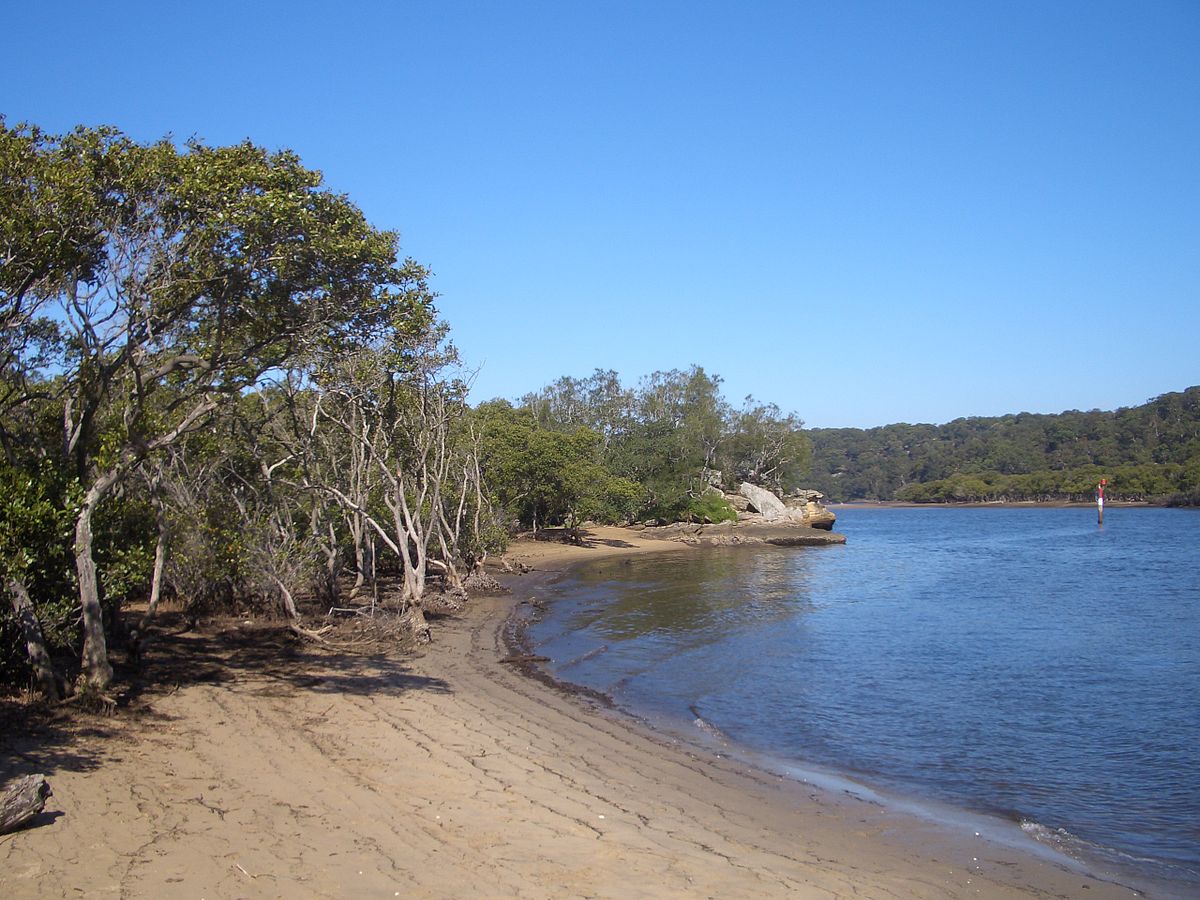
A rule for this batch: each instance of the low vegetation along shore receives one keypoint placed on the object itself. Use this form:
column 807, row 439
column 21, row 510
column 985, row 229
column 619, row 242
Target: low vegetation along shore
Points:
column 253, row 763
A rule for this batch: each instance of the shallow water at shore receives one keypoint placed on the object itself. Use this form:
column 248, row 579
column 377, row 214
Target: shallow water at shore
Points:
column 1019, row 662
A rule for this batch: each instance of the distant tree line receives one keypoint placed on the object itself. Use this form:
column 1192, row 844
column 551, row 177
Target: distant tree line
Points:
column 1147, row 452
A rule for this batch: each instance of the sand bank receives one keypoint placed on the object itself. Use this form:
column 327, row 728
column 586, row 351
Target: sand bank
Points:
column 449, row 774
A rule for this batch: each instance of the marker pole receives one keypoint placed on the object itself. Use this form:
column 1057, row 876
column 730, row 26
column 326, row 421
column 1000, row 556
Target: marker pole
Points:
column 1100, row 501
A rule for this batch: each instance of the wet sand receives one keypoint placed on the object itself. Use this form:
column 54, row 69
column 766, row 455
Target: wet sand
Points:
column 452, row 774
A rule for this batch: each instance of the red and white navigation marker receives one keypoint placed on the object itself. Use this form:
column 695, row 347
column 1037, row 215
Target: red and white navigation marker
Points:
column 1100, row 500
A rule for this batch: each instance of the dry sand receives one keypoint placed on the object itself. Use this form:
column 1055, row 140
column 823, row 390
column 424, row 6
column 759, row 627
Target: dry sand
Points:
column 448, row 774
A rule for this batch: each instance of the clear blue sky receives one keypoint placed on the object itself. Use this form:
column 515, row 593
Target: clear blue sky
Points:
column 864, row 212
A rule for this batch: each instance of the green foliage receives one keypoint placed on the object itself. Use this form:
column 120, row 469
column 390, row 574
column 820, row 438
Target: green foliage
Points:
column 672, row 432
column 543, row 477
column 1145, row 451
column 189, row 273
column 766, row 447
column 125, row 541
column 1129, row 483
column 146, row 290
column 710, row 507
column 207, row 565
column 591, row 492
column 36, row 518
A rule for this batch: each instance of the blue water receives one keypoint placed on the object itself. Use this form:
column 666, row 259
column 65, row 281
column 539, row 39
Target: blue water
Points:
column 1021, row 662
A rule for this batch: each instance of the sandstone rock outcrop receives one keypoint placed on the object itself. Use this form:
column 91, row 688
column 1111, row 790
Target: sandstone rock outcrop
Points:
column 809, row 503
column 802, row 508
column 763, row 502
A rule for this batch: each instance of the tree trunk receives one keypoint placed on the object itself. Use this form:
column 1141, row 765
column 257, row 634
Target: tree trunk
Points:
column 357, row 534
column 419, row 625
column 94, row 661
column 287, row 600
column 369, row 557
column 325, row 537
column 480, row 554
column 48, row 679
column 408, row 545
column 333, row 561
column 160, row 560
column 22, row 801
column 452, row 575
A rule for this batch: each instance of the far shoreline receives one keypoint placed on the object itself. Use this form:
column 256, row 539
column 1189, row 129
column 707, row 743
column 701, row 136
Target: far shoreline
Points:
column 996, row 504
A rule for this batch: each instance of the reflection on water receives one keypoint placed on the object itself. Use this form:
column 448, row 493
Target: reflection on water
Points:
column 682, row 599
column 1019, row 661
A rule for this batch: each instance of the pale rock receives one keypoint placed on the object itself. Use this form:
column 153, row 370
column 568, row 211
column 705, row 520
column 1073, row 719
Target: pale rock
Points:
column 765, row 502
column 802, row 508
column 808, row 503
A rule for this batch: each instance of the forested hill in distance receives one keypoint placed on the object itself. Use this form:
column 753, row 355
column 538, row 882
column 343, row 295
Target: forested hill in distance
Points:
column 1148, row 452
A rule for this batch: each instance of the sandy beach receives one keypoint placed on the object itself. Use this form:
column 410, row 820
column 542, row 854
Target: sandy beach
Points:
column 257, row 766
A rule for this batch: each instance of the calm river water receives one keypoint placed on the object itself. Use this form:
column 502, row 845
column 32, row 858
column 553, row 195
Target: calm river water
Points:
column 1024, row 663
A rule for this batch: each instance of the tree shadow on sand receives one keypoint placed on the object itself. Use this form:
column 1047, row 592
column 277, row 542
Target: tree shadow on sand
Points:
column 582, row 538
column 35, row 739
column 606, row 542
column 268, row 651
column 261, row 658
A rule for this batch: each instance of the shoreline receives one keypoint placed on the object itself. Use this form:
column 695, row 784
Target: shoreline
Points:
column 918, row 813
column 451, row 774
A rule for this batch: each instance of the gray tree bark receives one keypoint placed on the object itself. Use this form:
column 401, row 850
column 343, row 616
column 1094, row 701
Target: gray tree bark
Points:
column 22, row 801
column 94, row 661
column 160, row 553
column 35, row 642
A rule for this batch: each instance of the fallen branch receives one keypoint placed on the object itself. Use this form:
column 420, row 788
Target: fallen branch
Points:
column 518, row 659
column 314, row 636
column 350, row 611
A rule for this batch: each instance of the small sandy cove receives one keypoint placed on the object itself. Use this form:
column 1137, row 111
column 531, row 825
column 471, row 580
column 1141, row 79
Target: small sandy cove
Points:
column 239, row 773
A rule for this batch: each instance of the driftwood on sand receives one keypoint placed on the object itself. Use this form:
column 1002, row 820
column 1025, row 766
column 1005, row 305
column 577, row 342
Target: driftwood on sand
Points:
column 21, row 801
